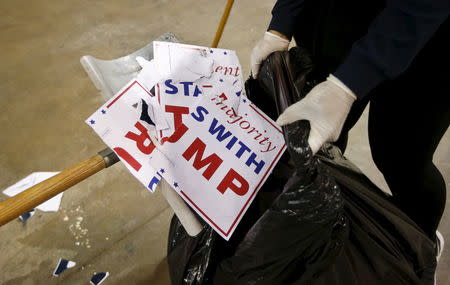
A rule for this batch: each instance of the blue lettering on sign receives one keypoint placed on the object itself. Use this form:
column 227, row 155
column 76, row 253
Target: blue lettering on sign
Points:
column 200, row 117
column 221, row 134
column 173, row 88
column 243, row 149
column 197, row 92
column 154, row 182
column 186, row 86
column 219, row 130
column 231, row 143
column 259, row 165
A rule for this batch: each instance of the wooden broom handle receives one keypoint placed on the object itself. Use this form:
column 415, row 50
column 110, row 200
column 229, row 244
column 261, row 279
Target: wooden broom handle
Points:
column 222, row 23
column 27, row 200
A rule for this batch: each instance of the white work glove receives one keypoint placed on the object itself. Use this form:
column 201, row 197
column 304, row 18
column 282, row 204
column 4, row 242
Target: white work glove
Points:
column 269, row 43
column 326, row 107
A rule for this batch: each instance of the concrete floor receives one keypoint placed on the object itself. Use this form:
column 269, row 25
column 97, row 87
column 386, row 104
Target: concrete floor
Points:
column 45, row 97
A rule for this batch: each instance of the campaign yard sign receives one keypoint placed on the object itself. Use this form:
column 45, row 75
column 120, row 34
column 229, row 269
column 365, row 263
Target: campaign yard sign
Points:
column 193, row 126
column 221, row 159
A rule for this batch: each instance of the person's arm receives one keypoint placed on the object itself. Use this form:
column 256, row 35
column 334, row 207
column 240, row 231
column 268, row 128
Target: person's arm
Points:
column 394, row 38
column 284, row 16
column 279, row 33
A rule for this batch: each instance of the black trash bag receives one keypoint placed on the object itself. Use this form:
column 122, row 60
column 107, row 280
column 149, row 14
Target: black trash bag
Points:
column 328, row 225
column 193, row 260
column 189, row 257
column 300, row 234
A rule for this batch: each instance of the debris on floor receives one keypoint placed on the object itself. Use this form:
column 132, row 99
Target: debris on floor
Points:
column 79, row 232
column 51, row 205
column 62, row 265
column 25, row 216
column 98, row 278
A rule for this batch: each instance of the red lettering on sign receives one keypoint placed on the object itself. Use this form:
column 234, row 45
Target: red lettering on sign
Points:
column 228, row 70
column 212, row 162
column 180, row 128
column 141, row 138
column 178, row 112
column 128, row 158
column 179, row 132
column 228, row 183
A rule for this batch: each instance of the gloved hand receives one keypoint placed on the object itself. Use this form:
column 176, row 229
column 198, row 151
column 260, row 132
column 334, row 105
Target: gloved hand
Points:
column 326, row 107
column 264, row 47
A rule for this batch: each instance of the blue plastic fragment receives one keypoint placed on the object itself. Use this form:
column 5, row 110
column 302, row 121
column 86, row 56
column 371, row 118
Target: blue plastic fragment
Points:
column 25, row 216
column 62, row 265
column 99, row 278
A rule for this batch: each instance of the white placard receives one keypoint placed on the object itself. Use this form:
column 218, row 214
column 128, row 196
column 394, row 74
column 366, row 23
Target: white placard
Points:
column 221, row 159
column 187, row 119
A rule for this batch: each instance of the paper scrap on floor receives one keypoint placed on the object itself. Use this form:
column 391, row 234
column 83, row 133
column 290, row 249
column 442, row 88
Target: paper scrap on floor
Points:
column 51, row 205
column 186, row 118
column 63, row 265
column 27, row 215
column 98, row 278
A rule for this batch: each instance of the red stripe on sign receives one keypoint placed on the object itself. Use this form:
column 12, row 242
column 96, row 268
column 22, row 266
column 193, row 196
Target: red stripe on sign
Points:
column 117, row 98
column 207, row 86
column 151, row 95
column 268, row 120
column 159, row 101
column 128, row 88
column 194, row 48
column 124, row 155
column 159, row 95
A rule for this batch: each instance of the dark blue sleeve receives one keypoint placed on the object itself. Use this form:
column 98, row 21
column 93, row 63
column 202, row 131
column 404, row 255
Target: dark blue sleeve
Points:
column 394, row 38
column 284, row 16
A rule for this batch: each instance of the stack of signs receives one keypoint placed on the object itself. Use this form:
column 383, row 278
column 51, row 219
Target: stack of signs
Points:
column 186, row 119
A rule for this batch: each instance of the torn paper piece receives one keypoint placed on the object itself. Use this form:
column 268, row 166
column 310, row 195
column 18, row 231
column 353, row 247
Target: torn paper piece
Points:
column 157, row 109
column 146, row 113
column 147, row 117
column 151, row 118
column 226, row 70
column 51, row 205
column 230, row 89
column 181, row 62
column 179, row 89
column 176, row 98
column 242, row 99
column 98, row 278
column 227, row 78
column 148, row 75
column 63, row 265
column 25, row 216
